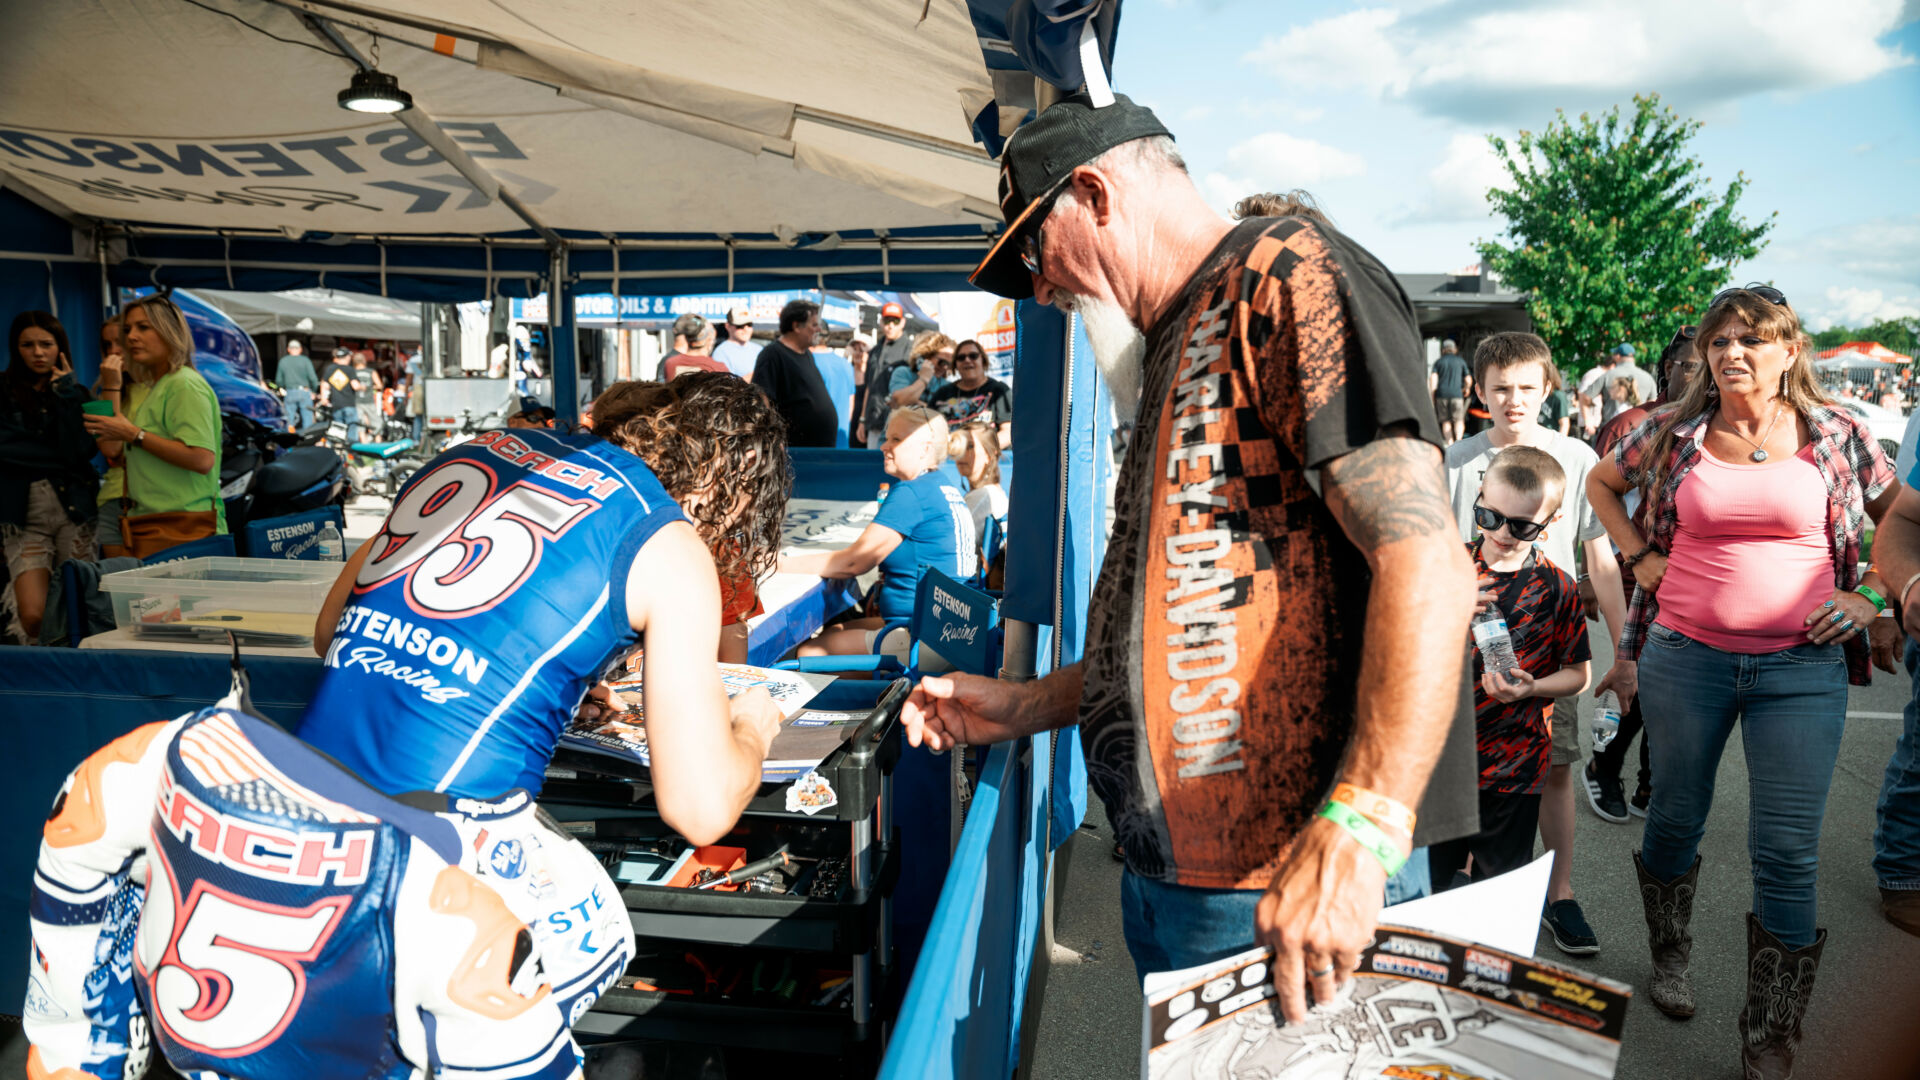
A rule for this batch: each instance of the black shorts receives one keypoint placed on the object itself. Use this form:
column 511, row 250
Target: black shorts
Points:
column 1504, row 842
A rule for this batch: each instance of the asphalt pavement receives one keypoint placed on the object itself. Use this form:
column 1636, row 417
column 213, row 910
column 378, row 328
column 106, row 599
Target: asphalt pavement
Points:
column 1864, row 1022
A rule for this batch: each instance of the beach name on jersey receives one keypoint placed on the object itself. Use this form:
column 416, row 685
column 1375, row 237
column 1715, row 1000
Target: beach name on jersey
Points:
column 1203, row 651
column 305, row 858
column 378, row 629
column 508, row 447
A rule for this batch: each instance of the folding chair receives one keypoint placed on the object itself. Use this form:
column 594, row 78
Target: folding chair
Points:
column 959, row 623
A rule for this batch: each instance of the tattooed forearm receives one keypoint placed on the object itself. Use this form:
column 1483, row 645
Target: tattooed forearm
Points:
column 1394, row 488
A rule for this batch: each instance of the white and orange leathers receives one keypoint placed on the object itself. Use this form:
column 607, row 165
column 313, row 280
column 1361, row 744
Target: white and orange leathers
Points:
column 290, row 922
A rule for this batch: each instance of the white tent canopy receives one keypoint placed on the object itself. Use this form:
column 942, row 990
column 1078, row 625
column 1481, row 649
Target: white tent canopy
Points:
column 721, row 116
column 330, row 312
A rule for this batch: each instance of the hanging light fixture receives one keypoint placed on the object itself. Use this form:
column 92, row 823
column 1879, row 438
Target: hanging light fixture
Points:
column 375, row 91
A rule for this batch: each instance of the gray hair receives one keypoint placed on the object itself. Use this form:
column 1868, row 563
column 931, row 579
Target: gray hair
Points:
column 1136, row 158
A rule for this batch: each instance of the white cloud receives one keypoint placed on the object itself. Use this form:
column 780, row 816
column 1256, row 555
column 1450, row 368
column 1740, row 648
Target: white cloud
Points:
column 1885, row 248
column 1276, row 161
column 1515, row 62
column 1457, row 187
column 1285, row 161
column 1859, row 307
column 1193, row 114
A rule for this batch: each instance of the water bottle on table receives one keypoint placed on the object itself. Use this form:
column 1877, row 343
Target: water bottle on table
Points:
column 1606, row 720
column 1494, row 642
column 333, row 546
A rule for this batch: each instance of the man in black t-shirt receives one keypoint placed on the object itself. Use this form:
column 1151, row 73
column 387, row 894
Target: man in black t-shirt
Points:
column 342, row 383
column 1276, row 638
column 787, row 373
column 893, row 350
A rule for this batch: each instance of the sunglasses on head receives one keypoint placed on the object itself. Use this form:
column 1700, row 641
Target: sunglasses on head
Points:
column 1765, row 292
column 1490, row 519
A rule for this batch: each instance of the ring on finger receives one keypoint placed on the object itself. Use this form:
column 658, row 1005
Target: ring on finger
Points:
column 1328, row 970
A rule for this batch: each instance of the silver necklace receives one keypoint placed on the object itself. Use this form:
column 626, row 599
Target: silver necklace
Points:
column 1759, row 448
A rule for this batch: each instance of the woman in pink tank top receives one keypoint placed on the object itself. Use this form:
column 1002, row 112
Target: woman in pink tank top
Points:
column 1750, row 609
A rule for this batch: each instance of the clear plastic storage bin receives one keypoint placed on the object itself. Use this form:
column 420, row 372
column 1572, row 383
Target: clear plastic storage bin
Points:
column 261, row 601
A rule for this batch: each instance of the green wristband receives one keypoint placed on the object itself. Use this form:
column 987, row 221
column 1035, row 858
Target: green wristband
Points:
column 1367, row 834
column 1879, row 602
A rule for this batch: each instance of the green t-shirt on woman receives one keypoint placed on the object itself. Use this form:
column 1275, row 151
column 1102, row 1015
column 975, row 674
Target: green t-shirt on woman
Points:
column 180, row 405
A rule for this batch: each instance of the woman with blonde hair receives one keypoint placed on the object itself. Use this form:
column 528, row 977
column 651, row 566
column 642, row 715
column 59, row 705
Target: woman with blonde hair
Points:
column 924, row 523
column 170, row 437
column 915, row 383
column 975, row 451
column 1625, row 391
column 1750, row 607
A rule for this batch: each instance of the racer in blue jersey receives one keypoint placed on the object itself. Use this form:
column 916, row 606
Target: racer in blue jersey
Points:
column 457, row 643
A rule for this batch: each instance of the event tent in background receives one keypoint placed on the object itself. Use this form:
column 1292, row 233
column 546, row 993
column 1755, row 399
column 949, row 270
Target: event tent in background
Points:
column 330, row 312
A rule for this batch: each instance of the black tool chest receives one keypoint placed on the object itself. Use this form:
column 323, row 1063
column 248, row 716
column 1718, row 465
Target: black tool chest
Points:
column 804, row 971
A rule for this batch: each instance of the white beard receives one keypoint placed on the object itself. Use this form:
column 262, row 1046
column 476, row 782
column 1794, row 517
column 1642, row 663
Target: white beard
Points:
column 1119, row 348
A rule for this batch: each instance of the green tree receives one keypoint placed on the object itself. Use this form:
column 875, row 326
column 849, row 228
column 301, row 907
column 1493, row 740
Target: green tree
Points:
column 1614, row 230
column 1900, row 335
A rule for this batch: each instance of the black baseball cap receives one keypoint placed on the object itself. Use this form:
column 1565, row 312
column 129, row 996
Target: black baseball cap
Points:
column 1038, row 158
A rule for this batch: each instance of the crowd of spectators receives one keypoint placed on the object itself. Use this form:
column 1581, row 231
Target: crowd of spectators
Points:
column 1715, row 511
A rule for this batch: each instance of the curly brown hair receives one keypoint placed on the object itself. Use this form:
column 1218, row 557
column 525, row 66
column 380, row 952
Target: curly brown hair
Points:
column 706, row 435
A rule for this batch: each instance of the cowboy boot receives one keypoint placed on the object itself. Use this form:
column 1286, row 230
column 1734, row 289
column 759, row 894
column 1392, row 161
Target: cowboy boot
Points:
column 1779, row 984
column 1669, row 907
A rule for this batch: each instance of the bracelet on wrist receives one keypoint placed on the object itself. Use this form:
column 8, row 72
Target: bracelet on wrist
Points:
column 1381, row 809
column 1905, row 589
column 1879, row 602
column 1633, row 560
column 1366, row 834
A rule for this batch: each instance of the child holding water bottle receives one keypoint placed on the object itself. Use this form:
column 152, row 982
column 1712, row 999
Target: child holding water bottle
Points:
column 1544, row 632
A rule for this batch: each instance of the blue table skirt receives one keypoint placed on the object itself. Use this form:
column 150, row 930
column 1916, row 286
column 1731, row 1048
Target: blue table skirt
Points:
column 796, row 622
column 59, row 705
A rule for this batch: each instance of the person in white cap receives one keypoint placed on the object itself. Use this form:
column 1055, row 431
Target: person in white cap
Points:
column 738, row 352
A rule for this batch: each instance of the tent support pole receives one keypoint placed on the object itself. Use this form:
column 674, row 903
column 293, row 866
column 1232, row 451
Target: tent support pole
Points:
column 560, row 344
column 1019, row 651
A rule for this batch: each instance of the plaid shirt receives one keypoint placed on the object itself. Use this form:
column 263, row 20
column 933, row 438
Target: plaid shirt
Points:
column 1850, row 461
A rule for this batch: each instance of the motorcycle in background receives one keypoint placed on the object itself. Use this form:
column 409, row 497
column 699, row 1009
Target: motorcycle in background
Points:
column 266, row 473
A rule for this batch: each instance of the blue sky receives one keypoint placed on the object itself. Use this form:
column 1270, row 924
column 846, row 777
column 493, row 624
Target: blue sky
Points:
column 1380, row 108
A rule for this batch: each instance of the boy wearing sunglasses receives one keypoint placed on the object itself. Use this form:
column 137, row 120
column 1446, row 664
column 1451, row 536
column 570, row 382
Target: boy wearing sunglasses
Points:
column 1511, row 375
column 1519, row 497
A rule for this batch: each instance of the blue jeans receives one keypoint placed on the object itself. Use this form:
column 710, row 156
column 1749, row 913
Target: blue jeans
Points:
column 1896, row 843
column 1413, row 881
column 1792, row 708
column 419, row 423
column 299, row 408
column 1169, row 927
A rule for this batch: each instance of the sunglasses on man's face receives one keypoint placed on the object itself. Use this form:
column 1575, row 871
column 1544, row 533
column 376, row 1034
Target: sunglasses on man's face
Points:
column 1490, row 519
column 1030, row 241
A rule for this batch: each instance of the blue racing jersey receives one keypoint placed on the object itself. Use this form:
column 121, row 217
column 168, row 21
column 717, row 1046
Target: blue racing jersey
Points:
column 492, row 597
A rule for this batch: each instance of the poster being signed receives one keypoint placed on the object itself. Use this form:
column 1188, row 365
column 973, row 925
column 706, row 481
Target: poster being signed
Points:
column 1422, row 1007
